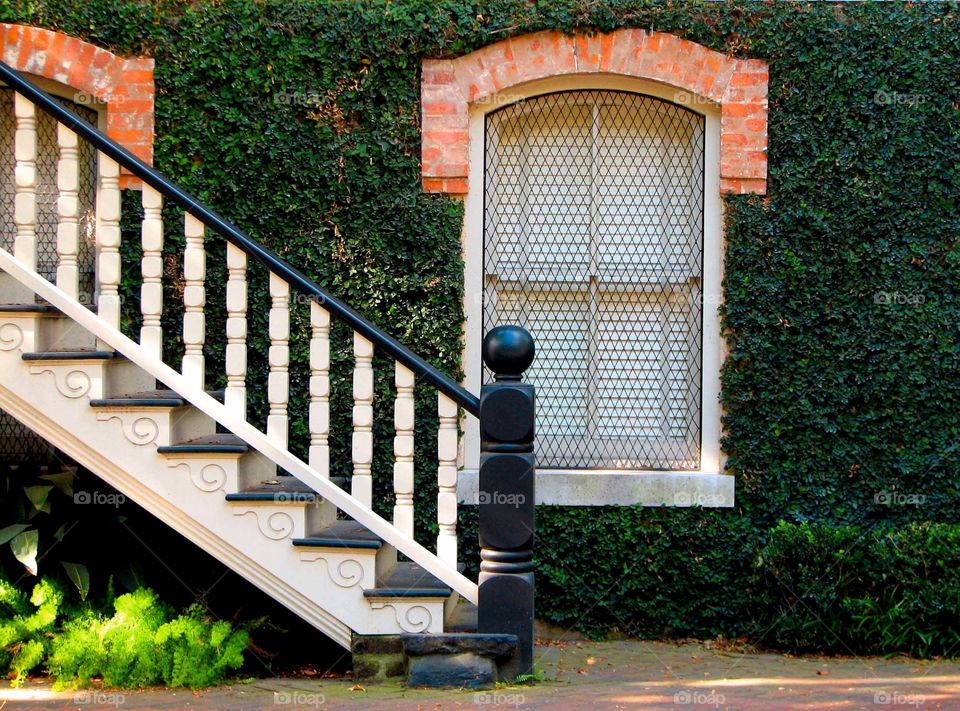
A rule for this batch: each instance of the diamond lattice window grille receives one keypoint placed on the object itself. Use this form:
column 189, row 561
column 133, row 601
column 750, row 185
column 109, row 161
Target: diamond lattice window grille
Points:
column 593, row 240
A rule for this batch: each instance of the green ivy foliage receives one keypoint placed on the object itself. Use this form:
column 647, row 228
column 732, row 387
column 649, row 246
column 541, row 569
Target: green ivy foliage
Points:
column 299, row 120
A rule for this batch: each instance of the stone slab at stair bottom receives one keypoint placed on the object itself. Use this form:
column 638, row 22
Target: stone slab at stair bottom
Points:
column 463, row 661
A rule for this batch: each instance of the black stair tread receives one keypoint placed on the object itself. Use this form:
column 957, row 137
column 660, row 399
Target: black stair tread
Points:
column 27, row 308
column 222, row 442
column 74, row 354
column 342, row 534
column 39, row 307
column 408, row 579
column 150, row 398
column 487, row 644
column 280, row 489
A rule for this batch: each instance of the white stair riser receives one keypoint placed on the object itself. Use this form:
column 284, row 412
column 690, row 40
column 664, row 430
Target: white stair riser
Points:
column 158, row 426
column 125, row 377
column 239, row 471
column 74, row 379
column 207, row 472
column 62, row 334
column 411, row 615
column 345, row 567
column 13, row 292
column 283, row 520
column 93, row 379
column 20, row 332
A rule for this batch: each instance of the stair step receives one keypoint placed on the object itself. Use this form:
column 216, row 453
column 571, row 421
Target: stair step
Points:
column 342, row 534
column 282, row 489
column 39, row 308
column 27, row 309
column 80, row 354
column 211, row 444
column 408, row 580
column 459, row 661
column 464, row 618
column 150, row 398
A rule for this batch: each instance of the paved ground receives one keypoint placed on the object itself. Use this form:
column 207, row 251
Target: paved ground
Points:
column 584, row 675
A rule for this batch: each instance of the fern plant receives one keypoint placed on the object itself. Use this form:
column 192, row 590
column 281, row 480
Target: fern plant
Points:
column 198, row 652
column 25, row 629
column 78, row 653
column 140, row 645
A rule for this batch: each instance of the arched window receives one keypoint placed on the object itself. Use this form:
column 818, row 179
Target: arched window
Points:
column 592, row 167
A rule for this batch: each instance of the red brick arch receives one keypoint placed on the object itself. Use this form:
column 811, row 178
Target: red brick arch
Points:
column 124, row 84
column 737, row 86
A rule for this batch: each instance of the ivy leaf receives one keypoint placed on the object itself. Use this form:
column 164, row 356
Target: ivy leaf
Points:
column 60, row 533
column 38, row 497
column 79, row 575
column 10, row 531
column 24, row 547
column 132, row 576
column 63, row 481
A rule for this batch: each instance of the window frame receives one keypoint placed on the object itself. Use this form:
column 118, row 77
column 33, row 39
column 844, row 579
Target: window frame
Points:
column 609, row 486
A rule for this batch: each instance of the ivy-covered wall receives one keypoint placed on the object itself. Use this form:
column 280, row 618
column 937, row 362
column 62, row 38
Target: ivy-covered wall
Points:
column 299, row 119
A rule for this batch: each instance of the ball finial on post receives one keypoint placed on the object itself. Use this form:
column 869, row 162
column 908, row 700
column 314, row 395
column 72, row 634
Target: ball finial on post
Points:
column 508, row 351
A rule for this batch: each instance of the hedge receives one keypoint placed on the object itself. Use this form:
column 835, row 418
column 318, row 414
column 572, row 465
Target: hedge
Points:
column 840, row 297
column 853, row 590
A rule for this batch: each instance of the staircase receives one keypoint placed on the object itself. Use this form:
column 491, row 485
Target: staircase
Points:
column 190, row 456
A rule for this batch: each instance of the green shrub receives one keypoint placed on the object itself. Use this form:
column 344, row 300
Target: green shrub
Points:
column 26, row 625
column 853, row 590
column 140, row 645
column 610, row 568
column 196, row 652
column 132, row 657
column 79, row 652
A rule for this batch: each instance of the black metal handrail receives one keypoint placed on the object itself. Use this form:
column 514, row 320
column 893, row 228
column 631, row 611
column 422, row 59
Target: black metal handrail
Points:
column 156, row 180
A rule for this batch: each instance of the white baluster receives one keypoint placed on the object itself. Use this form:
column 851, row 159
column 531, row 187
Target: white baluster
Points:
column 25, row 183
column 68, row 210
column 403, row 417
column 447, row 480
column 235, row 396
column 361, row 486
column 151, row 269
column 278, row 382
column 320, row 389
column 194, row 300
column 108, row 244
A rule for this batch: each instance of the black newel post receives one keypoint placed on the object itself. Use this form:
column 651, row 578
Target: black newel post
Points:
column 506, row 493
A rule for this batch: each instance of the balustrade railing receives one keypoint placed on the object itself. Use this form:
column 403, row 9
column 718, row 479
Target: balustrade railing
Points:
column 204, row 230
column 200, row 226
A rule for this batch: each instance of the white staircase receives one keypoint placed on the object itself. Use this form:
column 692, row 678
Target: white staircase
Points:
column 191, row 457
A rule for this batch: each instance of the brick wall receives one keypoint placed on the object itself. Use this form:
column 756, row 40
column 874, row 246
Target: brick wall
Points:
column 737, row 86
column 124, row 85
